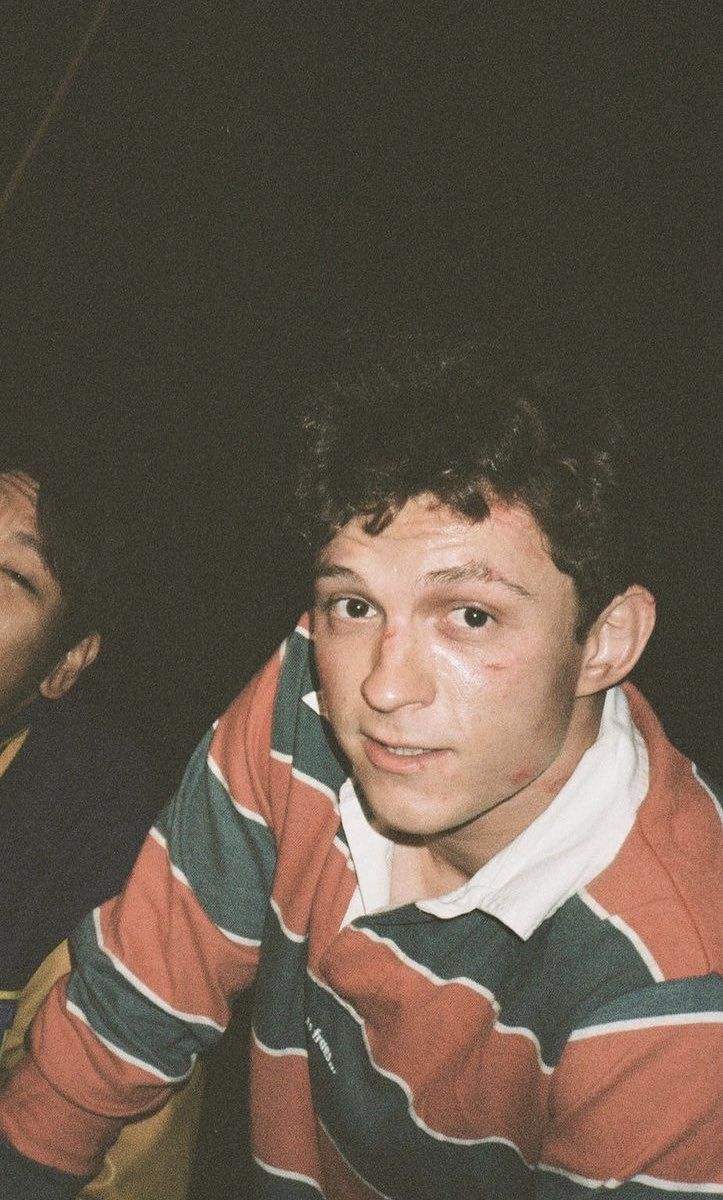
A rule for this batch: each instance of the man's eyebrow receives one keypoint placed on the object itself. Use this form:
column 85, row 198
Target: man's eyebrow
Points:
column 469, row 572
column 475, row 572
column 332, row 570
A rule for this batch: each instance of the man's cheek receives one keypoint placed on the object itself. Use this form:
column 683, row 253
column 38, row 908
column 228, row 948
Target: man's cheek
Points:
column 340, row 674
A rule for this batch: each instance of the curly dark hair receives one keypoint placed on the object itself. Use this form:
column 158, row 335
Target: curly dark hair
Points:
column 80, row 543
column 448, row 422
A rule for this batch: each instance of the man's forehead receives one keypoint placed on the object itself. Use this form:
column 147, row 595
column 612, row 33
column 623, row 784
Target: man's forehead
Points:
column 443, row 545
column 425, row 517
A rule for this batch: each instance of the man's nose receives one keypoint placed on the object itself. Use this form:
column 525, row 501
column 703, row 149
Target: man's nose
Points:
column 401, row 674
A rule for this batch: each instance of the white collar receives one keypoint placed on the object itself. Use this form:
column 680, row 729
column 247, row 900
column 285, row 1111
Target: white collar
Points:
column 563, row 849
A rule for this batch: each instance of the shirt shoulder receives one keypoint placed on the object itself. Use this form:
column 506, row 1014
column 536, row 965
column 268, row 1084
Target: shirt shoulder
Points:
column 664, row 889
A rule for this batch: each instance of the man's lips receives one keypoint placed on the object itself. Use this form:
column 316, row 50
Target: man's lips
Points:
column 400, row 758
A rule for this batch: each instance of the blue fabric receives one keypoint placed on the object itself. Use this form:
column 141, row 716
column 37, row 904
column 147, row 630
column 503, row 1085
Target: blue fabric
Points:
column 24, row 1179
column 75, row 805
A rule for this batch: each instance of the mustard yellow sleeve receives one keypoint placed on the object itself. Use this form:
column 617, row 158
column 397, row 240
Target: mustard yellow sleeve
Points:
column 151, row 1158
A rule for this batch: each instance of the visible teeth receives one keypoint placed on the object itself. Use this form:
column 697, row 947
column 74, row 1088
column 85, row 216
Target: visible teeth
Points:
column 406, row 751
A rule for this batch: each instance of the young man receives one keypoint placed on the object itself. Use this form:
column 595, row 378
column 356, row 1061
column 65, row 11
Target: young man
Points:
column 61, row 770
column 475, row 887
column 77, row 799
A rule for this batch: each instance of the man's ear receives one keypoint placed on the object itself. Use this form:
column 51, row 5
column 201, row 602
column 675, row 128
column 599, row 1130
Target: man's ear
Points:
column 616, row 640
column 65, row 672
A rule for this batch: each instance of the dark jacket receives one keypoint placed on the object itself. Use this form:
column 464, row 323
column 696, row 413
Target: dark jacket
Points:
column 75, row 804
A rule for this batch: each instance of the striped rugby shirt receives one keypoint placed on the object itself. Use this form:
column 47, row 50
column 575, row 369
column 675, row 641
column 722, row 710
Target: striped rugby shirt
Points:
column 394, row 1053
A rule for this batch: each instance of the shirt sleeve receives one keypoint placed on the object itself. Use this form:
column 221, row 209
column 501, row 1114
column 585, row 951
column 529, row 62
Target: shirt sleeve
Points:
column 636, row 1099
column 156, row 968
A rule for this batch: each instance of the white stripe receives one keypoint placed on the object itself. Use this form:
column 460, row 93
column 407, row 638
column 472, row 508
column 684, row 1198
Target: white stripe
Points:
column 634, row 938
column 311, row 700
column 304, row 632
column 304, row 778
column 157, row 836
column 345, row 1160
column 316, row 784
column 672, row 1185
column 281, row 757
column 295, row 1175
column 245, row 812
column 238, row 939
column 282, row 649
column 402, row 1083
column 122, row 969
column 425, row 971
column 293, row 937
column 176, row 872
column 274, row 1053
column 665, row 1185
column 344, row 849
column 216, row 770
column 529, row 1036
column 711, row 793
column 635, row 1023
column 123, row 1054
column 249, row 814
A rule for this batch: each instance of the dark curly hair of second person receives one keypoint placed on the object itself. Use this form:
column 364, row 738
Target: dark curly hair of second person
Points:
column 447, row 420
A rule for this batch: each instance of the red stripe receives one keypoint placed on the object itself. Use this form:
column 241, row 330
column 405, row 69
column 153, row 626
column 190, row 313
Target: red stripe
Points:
column 320, row 883
column 282, row 1137
column 454, row 1048
column 637, row 888
column 72, row 1137
column 645, row 1101
column 339, row 1179
column 242, row 740
column 682, row 829
column 161, row 933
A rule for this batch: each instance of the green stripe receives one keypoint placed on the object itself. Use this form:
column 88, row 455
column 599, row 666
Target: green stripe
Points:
column 298, row 730
column 573, row 963
column 127, row 1019
column 267, row 1186
column 295, row 682
column 279, row 989
column 313, row 752
column 228, row 859
column 368, row 1115
column 674, row 997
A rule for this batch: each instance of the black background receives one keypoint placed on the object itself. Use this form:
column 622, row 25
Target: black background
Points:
column 227, row 187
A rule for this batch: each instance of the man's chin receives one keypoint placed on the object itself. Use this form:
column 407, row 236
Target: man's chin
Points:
column 404, row 815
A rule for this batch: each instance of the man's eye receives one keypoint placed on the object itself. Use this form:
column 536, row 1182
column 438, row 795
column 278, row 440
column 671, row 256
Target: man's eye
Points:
column 469, row 617
column 351, row 608
column 21, row 580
